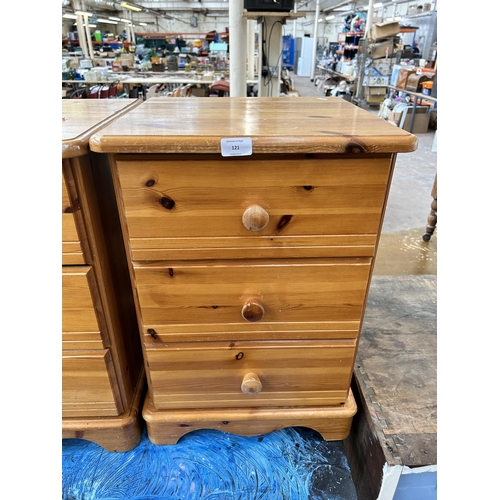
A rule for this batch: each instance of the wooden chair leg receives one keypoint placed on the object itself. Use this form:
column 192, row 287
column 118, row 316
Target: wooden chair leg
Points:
column 432, row 218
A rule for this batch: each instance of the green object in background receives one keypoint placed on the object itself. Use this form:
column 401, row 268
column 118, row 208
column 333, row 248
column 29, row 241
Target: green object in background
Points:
column 97, row 36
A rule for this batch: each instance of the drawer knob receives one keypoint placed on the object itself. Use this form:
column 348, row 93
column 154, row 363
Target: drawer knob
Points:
column 255, row 218
column 251, row 384
column 252, row 311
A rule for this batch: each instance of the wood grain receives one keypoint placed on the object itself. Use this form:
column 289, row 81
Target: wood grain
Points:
column 101, row 347
column 120, row 433
column 167, row 426
column 89, row 385
column 71, row 249
column 197, row 204
column 194, row 375
column 275, row 125
column 80, row 324
column 82, row 118
column 111, row 301
column 396, row 367
column 264, row 330
column 297, row 290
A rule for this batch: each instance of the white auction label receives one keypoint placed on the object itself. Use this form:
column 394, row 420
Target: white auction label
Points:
column 236, row 146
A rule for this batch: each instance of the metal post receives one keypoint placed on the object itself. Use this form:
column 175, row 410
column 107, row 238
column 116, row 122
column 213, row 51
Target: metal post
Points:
column 238, row 49
column 81, row 36
column 294, row 21
column 315, row 41
column 251, row 49
column 89, row 39
column 369, row 17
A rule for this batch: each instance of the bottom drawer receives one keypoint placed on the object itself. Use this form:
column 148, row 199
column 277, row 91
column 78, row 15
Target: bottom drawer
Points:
column 88, row 385
column 250, row 374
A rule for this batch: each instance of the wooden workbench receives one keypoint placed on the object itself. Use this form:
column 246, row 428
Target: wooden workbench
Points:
column 395, row 381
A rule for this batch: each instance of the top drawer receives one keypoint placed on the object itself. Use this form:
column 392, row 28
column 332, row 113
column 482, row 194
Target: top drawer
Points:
column 207, row 206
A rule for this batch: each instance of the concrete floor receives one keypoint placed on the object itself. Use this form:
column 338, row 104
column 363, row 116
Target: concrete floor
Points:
column 401, row 248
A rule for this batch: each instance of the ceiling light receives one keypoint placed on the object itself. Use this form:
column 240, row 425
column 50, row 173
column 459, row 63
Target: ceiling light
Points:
column 377, row 5
column 125, row 5
column 142, row 24
column 125, row 21
column 329, row 18
column 106, row 21
column 115, row 19
column 320, row 20
column 70, row 16
column 83, row 13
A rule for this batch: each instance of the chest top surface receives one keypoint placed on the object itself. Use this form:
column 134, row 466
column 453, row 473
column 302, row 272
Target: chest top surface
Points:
column 274, row 124
column 83, row 117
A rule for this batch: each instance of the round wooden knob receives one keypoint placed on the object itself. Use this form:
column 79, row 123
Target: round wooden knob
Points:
column 252, row 311
column 255, row 218
column 251, row 384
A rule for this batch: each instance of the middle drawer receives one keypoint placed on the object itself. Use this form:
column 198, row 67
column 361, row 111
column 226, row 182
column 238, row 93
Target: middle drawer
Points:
column 220, row 300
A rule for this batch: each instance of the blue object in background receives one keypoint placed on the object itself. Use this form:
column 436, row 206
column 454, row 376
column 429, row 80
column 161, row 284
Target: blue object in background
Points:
column 292, row 464
column 288, row 54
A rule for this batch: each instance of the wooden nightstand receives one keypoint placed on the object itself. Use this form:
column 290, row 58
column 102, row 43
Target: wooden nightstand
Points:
column 102, row 365
column 250, row 273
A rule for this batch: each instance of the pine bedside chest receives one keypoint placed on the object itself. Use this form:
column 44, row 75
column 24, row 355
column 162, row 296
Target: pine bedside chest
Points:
column 251, row 227
column 102, row 364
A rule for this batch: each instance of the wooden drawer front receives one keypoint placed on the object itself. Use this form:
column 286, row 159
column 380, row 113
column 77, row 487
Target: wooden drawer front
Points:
column 203, row 294
column 71, row 246
column 88, row 384
column 197, row 375
column 79, row 315
column 183, row 209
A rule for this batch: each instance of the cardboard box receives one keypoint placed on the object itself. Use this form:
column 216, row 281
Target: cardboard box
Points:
column 380, row 50
column 375, row 99
column 420, row 123
column 375, row 91
column 383, row 30
column 200, row 91
column 403, row 77
column 376, row 81
column 127, row 60
column 395, row 72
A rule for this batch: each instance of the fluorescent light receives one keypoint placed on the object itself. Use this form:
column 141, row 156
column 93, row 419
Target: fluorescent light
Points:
column 320, row 20
column 115, row 19
column 329, row 18
column 83, row 13
column 106, row 21
column 377, row 5
column 142, row 24
column 125, row 5
column 70, row 16
column 125, row 20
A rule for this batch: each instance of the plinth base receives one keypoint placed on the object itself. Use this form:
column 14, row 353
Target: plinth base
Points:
column 121, row 433
column 168, row 426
